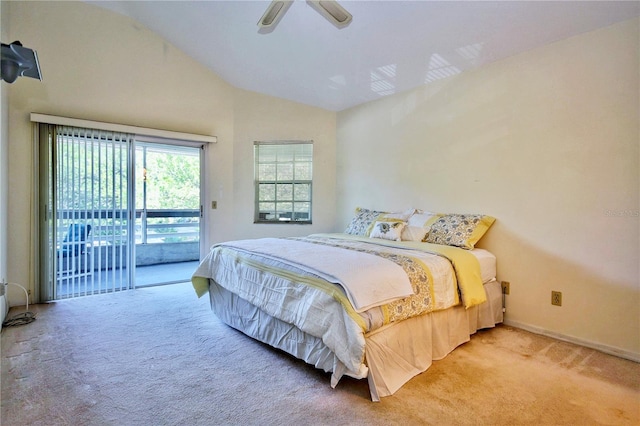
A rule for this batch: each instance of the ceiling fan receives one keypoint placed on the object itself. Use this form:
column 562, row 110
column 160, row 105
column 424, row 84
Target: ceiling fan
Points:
column 330, row 9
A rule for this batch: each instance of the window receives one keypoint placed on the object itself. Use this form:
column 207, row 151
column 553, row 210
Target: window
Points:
column 283, row 172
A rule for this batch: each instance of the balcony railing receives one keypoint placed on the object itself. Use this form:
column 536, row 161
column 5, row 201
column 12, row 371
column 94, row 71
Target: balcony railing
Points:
column 161, row 236
column 152, row 226
column 169, row 225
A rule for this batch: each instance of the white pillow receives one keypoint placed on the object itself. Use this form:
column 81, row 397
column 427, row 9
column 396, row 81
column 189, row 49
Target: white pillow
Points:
column 388, row 230
column 419, row 225
column 403, row 216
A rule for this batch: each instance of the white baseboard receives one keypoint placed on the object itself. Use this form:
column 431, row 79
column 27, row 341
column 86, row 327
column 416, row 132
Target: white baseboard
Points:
column 611, row 350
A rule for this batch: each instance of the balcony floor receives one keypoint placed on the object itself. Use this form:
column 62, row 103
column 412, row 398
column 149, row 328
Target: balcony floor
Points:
column 165, row 273
column 83, row 284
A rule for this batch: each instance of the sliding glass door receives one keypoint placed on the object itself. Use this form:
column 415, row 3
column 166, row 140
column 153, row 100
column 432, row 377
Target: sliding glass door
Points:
column 117, row 211
column 167, row 213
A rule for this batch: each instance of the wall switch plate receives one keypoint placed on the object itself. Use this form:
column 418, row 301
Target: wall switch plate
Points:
column 214, row 205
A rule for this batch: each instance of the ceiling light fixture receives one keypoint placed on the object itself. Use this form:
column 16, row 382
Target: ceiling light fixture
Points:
column 18, row 61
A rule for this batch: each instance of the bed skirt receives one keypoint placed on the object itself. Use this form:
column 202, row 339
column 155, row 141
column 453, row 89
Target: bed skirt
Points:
column 393, row 353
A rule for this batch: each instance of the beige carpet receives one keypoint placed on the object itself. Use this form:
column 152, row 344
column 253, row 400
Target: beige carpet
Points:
column 158, row 356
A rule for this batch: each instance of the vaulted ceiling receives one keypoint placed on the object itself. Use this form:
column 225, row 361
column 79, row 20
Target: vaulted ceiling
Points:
column 389, row 47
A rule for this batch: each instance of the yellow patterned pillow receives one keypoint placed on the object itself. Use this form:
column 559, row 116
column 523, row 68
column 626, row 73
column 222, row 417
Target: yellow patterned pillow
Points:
column 362, row 222
column 459, row 230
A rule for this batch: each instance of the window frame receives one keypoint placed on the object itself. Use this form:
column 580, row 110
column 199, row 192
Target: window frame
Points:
column 257, row 215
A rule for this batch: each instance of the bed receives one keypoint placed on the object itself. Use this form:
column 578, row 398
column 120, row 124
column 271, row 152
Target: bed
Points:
column 372, row 302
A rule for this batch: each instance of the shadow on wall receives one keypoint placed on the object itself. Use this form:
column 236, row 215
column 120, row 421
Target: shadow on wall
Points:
column 595, row 308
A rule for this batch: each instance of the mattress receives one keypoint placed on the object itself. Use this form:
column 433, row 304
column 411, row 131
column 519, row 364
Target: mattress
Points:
column 488, row 264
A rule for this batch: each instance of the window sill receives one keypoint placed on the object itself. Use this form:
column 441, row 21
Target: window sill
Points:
column 283, row 222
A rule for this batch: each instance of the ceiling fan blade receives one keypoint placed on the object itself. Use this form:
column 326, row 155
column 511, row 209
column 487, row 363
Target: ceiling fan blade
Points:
column 273, row 15
column 332, row 11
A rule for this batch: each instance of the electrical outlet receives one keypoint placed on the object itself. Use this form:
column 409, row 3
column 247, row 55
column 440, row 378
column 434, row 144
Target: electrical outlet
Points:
column 556, row 298
column 505, row 287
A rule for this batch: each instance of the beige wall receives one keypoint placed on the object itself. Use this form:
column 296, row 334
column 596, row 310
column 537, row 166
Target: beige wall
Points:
column 263, row 118
column 101, row 66
column 548, row 143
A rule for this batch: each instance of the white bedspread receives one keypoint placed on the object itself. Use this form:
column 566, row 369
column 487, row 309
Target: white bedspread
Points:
column 310, row 308
column 367, row 279
column 296, row 298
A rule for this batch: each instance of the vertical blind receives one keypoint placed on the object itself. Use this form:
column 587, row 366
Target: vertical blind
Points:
column 91, row 217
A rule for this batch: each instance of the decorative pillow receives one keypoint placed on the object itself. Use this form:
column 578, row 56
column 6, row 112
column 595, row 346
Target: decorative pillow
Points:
column 363, row 221
column 459, row 230
column 388, row 230
column 419, row 225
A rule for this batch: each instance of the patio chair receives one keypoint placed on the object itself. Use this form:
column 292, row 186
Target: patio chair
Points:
column 73, row 250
